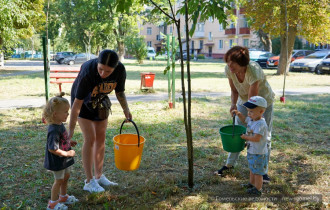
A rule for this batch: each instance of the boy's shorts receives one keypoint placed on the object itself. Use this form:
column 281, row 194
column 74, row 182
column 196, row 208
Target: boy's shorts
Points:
column 258, row 164
column 60, row 174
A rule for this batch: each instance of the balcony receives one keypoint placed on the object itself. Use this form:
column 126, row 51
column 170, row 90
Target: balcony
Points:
column 244, row 31
column 199, row 34
column 230, row 31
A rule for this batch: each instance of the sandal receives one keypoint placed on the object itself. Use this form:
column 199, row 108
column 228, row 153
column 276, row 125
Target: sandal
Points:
column 68, row 199
column 56, row 206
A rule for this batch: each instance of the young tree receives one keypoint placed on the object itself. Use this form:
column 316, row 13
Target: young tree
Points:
column 193, row 11
column 308, row 18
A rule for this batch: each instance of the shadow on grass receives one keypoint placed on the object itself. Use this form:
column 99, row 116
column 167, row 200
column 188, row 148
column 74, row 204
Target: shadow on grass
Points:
column 161, row 180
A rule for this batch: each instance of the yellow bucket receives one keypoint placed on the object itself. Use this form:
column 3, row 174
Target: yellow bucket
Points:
column 128, row 149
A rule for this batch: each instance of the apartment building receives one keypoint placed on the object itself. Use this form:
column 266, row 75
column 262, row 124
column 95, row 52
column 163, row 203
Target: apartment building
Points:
column 210, row 38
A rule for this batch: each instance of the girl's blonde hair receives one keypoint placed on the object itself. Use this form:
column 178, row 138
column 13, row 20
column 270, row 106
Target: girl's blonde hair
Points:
column 53, row 105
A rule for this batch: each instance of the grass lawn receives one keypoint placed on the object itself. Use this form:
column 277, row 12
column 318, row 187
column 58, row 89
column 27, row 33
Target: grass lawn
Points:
column 299, row 159
column 205, row 77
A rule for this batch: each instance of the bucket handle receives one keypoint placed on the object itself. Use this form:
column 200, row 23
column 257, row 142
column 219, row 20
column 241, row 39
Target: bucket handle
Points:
column 137, row 130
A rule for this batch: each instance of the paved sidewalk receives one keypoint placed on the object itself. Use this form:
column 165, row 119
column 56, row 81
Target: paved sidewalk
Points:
column 39, row 102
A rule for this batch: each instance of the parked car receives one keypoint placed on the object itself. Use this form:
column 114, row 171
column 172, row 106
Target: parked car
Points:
column 324, row 67
column 311, row 62
column 59, row 57
column 37, row 56
column 260, row 57
column 79, row 58
column 28, row 56
column 52, row 55
column 272, row 62
column 16, row 56
column 185, row 56
column 151, row 53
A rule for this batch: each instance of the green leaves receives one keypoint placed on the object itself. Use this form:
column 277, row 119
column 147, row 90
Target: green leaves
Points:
column 19, row 19
column 167, row 69
column 310, row 18
column 200, row 11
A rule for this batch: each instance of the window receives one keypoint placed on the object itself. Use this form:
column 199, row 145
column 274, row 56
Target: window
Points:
column 149, row 31
column 192, row 45
column 246, row 42
column 200, row 27
column 157, row 37
column 299, row 53
column 232, row 25
column 171, row 29
column 220, row 44
column 149, row 43
column 231, row 42
column 210, row 36
column 201, row 43
column 245, row 23
column 220, row 27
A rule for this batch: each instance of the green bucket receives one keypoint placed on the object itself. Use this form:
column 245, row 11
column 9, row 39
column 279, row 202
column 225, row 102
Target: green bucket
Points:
column 230, row 142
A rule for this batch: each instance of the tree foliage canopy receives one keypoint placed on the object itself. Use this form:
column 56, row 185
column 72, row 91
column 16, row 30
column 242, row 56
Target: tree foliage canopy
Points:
column 20, row 19
column 309, row 18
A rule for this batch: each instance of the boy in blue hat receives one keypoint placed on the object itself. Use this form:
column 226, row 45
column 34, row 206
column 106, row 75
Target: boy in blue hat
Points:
column 256, row 133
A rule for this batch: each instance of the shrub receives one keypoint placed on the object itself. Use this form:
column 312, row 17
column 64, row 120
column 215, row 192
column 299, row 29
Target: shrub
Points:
column 200, row 56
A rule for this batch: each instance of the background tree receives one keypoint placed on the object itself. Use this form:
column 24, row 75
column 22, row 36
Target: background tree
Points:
column 136, row 47
column 53, row 24
column 265, row 39
column 32, row 44
column 307, row 18
column 19, row 19
column 94, row 24
column 82, row 22
column 123, row 22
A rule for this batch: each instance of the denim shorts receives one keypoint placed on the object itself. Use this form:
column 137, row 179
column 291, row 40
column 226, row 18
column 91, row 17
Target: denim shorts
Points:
column 258, row 163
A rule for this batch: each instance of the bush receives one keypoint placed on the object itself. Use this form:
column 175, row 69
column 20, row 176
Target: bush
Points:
column 200, row 56
column 276, row 45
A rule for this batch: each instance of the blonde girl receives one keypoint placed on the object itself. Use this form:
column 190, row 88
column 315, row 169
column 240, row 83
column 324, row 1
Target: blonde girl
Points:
column 58, row 154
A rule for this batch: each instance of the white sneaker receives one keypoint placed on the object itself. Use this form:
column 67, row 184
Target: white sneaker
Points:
column 93, row 186
column 105, row 182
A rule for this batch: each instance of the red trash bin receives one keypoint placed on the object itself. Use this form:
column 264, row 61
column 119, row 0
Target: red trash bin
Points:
column 147, row 80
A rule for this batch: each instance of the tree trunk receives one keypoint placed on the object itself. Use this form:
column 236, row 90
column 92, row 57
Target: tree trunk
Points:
column 32, row 46
column 121, row 50
column 188, row 120
column 2, row 62
column 97, row 49
column 285, row 59
column 265, row 40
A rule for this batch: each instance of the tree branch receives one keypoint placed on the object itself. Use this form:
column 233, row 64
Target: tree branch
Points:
column 162, row 10
column 169, row 1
